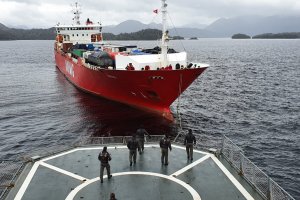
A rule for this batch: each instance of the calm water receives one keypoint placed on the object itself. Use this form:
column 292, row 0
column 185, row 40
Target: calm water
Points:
column 251, row 93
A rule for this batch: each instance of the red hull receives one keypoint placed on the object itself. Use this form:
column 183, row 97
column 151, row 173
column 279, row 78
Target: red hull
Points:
column 153, row 90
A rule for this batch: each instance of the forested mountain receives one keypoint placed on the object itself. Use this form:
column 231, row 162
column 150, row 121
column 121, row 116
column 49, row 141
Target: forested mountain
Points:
column 294, row 35
column 49, row 34
column 146, row 34
column 26, row 34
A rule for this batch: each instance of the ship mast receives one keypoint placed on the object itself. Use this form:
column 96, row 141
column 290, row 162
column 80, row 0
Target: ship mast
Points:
column 165, row 38
column 76, row 11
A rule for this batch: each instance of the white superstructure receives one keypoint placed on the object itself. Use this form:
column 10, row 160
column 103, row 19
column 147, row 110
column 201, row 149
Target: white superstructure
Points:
column 80, row 33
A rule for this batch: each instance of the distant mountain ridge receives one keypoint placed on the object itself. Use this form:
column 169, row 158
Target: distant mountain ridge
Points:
column 129, row 26
column 250, row 25
column 253, row 25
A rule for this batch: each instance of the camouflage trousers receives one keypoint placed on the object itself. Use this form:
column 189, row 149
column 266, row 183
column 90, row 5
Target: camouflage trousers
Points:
column 164, row 156
column 107, row 166
column 189, row 150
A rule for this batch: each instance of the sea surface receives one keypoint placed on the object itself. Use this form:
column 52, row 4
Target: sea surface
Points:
column 251, row 93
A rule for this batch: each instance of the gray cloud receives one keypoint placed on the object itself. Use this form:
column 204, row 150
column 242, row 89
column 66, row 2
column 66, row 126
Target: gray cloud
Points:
column 42, row 13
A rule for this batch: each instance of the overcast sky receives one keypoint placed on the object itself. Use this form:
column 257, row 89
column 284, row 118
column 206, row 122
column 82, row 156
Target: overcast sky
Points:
column 46, row 13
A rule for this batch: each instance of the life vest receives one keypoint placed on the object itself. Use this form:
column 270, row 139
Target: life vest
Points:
column 104, row 157
column 164, row 143
column 132, row 144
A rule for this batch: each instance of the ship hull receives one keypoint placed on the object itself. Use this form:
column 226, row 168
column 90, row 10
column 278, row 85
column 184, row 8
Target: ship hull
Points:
column 152, row 90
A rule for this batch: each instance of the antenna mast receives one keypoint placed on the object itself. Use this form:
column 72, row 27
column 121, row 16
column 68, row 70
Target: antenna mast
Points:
column 165, row 37
column 76, row 11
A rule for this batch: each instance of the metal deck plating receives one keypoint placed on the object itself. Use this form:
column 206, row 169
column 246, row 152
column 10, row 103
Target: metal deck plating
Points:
column 74, row 174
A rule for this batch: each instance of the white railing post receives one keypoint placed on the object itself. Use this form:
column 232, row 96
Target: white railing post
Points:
column 253, row 176
column 269, row 191
column 223, row 141
column 241, row 164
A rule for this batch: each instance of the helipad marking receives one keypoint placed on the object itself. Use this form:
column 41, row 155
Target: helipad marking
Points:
column 232, row 179
column 111, row 147
column 27, row 181
column 100, row 148
column 197, row 151
column 193, row 192
column 80, row 149
column 125, row 147
column 58, row 155
column 63, row 171
column 190, row 165
column 34, row 168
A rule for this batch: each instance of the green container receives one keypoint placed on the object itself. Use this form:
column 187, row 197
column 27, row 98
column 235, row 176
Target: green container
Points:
column 78, row 52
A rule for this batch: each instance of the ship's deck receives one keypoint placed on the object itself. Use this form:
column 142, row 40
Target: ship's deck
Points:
column 74, row 174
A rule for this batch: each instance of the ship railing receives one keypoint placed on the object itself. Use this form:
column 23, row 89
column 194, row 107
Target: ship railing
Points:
column 116, row 140
column 203, row 142
column 260, row 181
column 9, row 171
column 102, row 140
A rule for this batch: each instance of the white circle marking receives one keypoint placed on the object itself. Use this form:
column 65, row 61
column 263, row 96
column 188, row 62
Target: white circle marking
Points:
column 193, row 192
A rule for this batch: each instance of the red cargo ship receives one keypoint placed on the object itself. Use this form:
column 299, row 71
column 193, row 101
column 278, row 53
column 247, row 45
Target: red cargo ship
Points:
column 150, row 79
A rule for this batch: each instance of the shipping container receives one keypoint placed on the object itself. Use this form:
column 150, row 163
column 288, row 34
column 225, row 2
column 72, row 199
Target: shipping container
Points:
column 78, row 52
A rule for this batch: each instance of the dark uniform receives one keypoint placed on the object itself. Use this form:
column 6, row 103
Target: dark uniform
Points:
column 164, row 144
column 112, row 196
column 132, row 146
column 104, row 157
column 140, row 133
column 189, row 142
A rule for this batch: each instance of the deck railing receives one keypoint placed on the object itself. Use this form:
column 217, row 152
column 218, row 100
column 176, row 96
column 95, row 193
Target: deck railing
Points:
column 224, row 147
column 115, row 140
column 251, row 173
column 9, row 170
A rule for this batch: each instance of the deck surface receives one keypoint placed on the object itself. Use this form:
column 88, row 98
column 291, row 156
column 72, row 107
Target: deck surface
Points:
column 74, row 174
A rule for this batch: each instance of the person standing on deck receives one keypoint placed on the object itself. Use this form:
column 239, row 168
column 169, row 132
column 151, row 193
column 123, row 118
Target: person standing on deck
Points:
column 133, row 146
column 112, row 196
column 141, row 137
column 104, row 158
column 189, row 142
column 165, row 145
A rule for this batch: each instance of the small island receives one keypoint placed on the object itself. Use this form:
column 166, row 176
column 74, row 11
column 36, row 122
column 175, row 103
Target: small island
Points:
column 293, row 35
column 177, row 38
column 240, row 36
column 193, row 38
